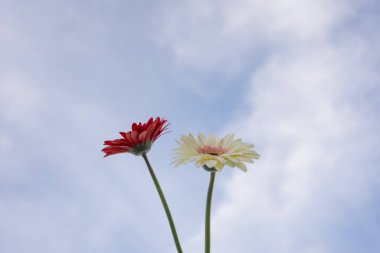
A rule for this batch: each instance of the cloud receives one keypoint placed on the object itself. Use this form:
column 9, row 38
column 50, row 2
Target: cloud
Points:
column 314, row 186
column 311, row 112
column 18, row 97
column 75, row 74
column 58, row 193
column 227, row 35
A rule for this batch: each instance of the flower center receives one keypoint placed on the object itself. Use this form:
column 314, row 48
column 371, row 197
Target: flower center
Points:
column 211, row 150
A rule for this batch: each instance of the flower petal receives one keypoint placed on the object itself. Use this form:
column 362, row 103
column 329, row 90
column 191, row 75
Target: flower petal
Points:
column 213, row 152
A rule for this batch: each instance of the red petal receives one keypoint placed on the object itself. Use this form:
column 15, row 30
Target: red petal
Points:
column 140, row 133
column 128, row 137
column 135, row 137
column 142, row 136
column 147, row 124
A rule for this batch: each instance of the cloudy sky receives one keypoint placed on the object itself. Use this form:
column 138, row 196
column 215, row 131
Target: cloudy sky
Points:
column 300, row 79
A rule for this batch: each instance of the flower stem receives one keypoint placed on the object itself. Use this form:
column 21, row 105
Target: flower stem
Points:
column 163, row 200
column 208, row 212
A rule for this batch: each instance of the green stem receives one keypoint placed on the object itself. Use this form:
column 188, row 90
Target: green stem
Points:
column 208, row 212
column 163, row 200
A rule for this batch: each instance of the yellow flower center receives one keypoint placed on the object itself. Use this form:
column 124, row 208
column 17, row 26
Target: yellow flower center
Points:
column 211, row 150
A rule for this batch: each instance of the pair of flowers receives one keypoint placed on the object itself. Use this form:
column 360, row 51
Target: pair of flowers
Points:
column 209, row 152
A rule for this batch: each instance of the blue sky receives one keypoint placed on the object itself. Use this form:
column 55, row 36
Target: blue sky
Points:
column 299, row 79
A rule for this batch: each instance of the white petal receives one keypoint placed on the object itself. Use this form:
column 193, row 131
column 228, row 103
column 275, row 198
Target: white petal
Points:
column 211, row 163
column 241, row 166
column 201, row 139
column 212, row 140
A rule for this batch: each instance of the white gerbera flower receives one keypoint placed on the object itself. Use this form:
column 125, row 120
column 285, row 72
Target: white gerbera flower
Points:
column 213, row 153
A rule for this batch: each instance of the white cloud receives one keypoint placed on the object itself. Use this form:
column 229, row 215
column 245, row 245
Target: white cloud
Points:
column 224, row 36
column 18, row 97
column 59, row 194
column 306, row 115
column 311, row 114
column 313, row 178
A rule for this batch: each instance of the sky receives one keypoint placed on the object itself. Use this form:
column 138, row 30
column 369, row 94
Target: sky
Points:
column 297, row 78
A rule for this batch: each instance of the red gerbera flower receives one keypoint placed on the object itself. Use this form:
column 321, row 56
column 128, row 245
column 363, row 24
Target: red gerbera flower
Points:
column 139, row 140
